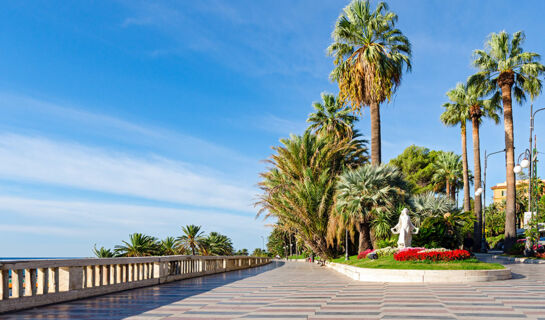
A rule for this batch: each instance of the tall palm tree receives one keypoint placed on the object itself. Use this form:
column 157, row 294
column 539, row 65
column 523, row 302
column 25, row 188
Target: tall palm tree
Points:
column 505, row 67
column 139, row 245
column 192, row 237
column 448, row 170
column 455, row 114
column 471, row 98
column 298, row 190
column 370, row 54
column 331, row 117
column 366, row 193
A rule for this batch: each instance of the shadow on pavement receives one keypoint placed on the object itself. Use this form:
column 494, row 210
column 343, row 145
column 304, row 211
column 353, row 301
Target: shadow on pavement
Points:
column 137, row 301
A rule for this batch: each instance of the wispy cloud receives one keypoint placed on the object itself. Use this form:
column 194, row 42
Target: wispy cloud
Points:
column 279, row 125
column 271, row 43
column 151, row 177
column 42, row 115
column 89, row 222
column 42, row 229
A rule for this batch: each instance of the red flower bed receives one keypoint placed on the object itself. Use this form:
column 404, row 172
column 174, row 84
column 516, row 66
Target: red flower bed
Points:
column 364, row 254
column 419, row 255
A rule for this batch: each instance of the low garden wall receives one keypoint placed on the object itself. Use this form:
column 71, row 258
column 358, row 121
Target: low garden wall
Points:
column 31, row 283
column 401, row 275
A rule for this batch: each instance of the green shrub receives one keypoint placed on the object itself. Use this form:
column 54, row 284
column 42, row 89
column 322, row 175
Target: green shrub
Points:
column 517, row 249
column 383, row 243
column 493, row 241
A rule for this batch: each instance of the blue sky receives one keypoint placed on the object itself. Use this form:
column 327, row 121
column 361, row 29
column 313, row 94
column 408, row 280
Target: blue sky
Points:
column 129, row 116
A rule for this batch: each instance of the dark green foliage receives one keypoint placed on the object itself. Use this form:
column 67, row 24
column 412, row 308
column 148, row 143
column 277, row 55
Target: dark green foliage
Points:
column 299, row 189
column 388, row 242
column 191, row 238
column 139, row 245
column 103, row 252
column 444, row 231
column 170, row 246
column 517, row 249
column 241, row 252
column 258, row 252
column 494, row 220
column 331, row 118
column 276, row 242
column 416, row 163
column 216, row 244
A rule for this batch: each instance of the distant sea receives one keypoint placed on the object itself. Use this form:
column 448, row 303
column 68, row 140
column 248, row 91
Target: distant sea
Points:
column 36, row 258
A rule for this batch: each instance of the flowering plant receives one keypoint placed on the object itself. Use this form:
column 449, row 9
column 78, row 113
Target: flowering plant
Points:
column 364, row 254
column 417, row 254
column 539, row 251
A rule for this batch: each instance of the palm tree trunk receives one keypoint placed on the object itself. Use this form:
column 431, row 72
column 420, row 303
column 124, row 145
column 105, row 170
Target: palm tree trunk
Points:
column 477, row 205
column 376, row 154
column 506, row 81
column 365, row 236
column 447, row 189
column 467, row 205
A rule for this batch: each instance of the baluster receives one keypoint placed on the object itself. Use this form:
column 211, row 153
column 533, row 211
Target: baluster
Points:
column 131, row 272
column 4, row 284
column 30, row 282
column 89, row 276
column 51, row 280
column 113, row 273
column 42, row 281
column 97, row 276
column 118, row 273
column 16, row 283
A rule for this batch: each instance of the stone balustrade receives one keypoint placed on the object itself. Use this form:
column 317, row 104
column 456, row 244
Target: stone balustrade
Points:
column 32, row 283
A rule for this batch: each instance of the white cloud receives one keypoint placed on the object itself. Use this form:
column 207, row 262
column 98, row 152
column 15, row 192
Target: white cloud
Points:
column 44, row 230
column 39, row 113
column 84, row 223
column 46, row 161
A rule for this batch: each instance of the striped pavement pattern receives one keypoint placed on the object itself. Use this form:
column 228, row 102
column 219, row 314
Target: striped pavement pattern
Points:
column 298, row 290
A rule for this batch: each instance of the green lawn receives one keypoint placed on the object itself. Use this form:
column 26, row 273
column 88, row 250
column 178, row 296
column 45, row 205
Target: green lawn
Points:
column 390, row 263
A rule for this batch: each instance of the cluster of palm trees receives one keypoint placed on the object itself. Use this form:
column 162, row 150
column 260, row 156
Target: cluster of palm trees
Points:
column 300, row 189
column 504, row 70
column 320, row 184
column 192, row 241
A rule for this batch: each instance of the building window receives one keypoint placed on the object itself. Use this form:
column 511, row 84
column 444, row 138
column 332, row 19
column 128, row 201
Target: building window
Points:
column 503, row 193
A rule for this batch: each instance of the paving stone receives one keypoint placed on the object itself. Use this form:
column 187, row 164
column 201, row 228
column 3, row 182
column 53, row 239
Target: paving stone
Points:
column 298, row 290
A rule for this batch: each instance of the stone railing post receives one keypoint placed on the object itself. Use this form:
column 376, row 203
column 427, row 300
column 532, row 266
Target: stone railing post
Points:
column 70, row 278
column 4, row 284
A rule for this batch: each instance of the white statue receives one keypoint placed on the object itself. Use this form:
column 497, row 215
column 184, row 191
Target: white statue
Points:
column 405, row 229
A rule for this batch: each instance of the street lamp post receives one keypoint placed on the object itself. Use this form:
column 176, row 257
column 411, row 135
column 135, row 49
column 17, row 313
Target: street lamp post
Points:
column 525, row 163
column 483, row 190
column 346, row 246
column 528, row 162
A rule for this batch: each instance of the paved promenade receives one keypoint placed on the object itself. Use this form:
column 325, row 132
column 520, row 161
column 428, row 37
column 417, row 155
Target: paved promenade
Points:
column 297, row 290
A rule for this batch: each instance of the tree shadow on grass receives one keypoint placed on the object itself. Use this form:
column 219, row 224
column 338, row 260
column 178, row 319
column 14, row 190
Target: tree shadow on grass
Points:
column 134, row 302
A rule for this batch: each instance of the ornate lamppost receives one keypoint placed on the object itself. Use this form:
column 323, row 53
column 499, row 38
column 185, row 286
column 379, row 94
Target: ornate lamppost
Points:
column 478, row 193
column 530, row 157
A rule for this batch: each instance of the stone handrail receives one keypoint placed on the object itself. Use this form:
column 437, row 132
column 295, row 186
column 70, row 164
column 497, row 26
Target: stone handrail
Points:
column 32, row 283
